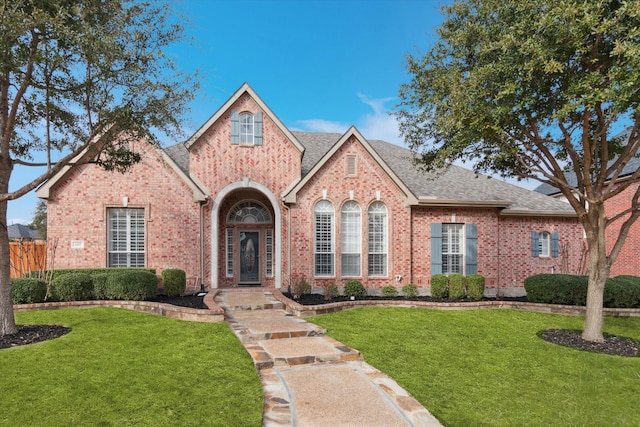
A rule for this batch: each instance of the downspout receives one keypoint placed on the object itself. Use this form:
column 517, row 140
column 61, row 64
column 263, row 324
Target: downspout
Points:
column 288, row 245
column 411, row 237
column 202, row 207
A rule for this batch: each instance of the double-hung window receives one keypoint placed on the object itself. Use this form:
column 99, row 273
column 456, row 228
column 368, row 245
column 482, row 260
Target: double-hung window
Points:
column 452, row 249
column 351, row 237
column 544, row 244
column 126, row 237
column 377, row 217
column 246, row 128
column 324, row 238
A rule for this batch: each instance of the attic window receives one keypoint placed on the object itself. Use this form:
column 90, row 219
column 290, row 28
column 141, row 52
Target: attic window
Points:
column 351, row 165
column 246, row 128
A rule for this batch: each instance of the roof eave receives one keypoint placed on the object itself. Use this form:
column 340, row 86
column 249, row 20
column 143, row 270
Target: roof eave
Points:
column 543, row 213
column 431, row 201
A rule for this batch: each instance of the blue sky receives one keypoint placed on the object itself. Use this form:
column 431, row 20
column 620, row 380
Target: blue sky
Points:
column 319, row 65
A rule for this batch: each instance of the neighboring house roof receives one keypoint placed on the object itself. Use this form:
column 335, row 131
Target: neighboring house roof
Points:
column 23, row 232
column 630, row 168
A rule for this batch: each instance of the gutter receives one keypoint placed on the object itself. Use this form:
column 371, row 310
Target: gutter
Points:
column 434, row 201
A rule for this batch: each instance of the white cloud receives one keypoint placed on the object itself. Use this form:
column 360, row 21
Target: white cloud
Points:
column 319, row 125
column 377, row 124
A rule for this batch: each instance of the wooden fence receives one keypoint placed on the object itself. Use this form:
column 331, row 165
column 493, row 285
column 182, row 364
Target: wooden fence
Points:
column 27, row 256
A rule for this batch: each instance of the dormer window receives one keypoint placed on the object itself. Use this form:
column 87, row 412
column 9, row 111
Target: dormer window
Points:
column 246, row 128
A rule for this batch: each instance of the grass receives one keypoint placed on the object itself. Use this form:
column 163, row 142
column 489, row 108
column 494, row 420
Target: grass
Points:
column 490, row 368
column 119, row 367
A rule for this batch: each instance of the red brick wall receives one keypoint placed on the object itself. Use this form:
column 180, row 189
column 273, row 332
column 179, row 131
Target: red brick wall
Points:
column 77, row 210
column 217, row 164
column 628, row 261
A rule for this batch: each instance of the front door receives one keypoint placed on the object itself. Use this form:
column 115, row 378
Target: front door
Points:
column 249, row 257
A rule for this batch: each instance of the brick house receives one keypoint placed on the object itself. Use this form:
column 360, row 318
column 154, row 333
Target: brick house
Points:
column 628, row 261
column 246, row 201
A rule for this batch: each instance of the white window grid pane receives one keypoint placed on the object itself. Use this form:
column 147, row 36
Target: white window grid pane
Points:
column 378, row 237
column 126, row 235
column 377, row 264
column 452, row 255
column 544, row 241
column 351, row 239
column 249, row 213
column 229, row 251
column 324, row 239
column 246, row 128
column 269, row 252
column 351, row 265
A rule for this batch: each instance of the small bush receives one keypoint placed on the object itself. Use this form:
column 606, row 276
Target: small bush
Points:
column 439, row 284
column 557, row 289
column 354, row 288
column 389, row 292
column 475, row 286
column 457, row 286
column 622, row 292
column 131, row 285
column 26, row 290
column 72, row 287
column 174, row 282
column 298, row 286
column 410, row 291
column 330, row 291
column 100, row 285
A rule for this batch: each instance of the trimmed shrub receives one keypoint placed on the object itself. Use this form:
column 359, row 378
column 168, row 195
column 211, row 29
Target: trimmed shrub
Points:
column 25, row 290
column 90, row 271
column 557, row 289
column 330, row 291
column 389, row 291
column 622, row 292
column 174, row 282
column 457, row 286
column 298, row 286
column 72, row 287
column 475, row 286
column 131, row 285
column 439, row 283
column 410, row 291
column 100, row 285
column 354, row 288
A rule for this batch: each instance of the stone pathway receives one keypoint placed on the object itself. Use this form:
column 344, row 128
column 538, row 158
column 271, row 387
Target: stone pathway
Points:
column 310, row 379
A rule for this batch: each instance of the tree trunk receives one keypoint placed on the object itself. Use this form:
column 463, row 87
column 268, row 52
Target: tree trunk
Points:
column 7, row 320
column 599, row 267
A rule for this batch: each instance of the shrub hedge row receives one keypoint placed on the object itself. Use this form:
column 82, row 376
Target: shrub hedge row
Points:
column 619, row 291
column 457, row 286
column 137, row 284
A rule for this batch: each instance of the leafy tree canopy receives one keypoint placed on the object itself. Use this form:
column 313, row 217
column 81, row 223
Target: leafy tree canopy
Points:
column 526, row 88
column 537, row 89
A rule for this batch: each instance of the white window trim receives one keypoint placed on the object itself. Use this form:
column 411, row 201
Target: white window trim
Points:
column 324, row 208
column 246, row 134
column 132, row 237
column 544, row 244
column 351, row 237
column 378, row 209
column 461, row 244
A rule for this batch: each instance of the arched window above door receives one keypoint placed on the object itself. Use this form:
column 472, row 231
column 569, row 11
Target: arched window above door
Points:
column 249, row 213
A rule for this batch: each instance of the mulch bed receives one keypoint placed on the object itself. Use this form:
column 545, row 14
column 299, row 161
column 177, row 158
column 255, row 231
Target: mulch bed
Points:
column 615, row 345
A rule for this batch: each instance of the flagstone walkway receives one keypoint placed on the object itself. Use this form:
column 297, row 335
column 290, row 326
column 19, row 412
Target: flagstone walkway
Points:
column 310, row 379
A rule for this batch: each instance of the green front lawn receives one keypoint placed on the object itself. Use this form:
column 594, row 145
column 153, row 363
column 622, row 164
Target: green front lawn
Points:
column 490, row 368
column 119, row 367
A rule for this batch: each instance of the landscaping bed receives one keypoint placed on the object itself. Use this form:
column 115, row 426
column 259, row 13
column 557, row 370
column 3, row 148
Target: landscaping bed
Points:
column 318, row 299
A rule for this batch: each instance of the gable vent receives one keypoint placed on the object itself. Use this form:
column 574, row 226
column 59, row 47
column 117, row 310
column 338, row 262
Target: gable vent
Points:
column 351, row 164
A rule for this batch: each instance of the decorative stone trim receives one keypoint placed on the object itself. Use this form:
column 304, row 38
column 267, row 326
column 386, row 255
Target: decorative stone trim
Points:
column 213, row 314
column 313, row 310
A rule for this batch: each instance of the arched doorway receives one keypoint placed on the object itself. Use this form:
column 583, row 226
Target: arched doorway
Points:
column 246, row 237
column 249, row 243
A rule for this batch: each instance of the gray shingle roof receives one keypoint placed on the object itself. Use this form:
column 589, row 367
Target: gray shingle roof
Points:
column 454, row 184
column 631, row 167
column 21, row 231
column 180, row 155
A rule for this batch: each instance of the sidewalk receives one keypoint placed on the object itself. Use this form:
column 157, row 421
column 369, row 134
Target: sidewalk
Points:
column 310, row 379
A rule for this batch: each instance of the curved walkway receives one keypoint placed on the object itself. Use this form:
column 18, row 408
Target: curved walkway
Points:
column 310, row 379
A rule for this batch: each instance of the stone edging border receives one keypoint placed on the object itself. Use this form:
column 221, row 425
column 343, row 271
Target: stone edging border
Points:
column 214, row 314
column 313, row 310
